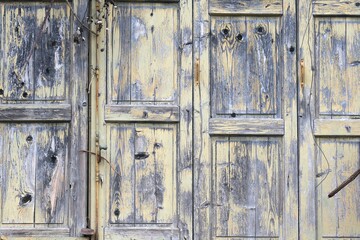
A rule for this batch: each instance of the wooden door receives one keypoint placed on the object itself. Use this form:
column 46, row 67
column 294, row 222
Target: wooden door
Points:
column 329, row 124
column 43, row 120
column 145, row 121
column 245, row 120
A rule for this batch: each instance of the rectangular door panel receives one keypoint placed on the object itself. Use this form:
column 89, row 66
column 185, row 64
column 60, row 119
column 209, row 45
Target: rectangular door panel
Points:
column 43, row 120
column 329, row 119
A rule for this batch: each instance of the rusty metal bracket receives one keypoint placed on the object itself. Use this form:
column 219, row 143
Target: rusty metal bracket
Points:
column 302, row 74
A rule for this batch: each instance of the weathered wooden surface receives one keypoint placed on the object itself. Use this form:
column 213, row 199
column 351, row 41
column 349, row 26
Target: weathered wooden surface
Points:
column 26, row 113
column 329, row 110
column 245, row 7
column 145, row 121
column 43, row 118
column 257, row 126
column 336, row 7
column 139, row 113
column 244, row 52
column 252, row 90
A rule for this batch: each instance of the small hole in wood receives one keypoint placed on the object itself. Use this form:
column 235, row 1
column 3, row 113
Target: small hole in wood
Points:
column 29, row 138
column 292, row 49
column 233, row 115
column 260, row 30
column 25, row 94
column 239, row 37
column 151, row 14
column 27, row 198
column 145, row 114
column 225, row 32
column 1, row 91
column 53, row 43
column 47, row 70
column 22, row 84
column 53, row 159
column 117, row 212
column 357, row 4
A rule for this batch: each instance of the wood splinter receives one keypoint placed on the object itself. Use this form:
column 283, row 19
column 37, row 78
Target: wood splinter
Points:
column 346, row 182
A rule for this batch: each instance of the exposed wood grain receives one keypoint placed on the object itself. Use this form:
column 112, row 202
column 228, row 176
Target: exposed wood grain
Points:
column 336, row 127
column 245, row 7
column 256, row 126
column 35, row 72
column 34, row 113
column 244, row 76
column 242, row 166
column 123, row 233
column 122, row 199
column 336, row 7
column 147, row 68
column 141, row 113
column 343, row 219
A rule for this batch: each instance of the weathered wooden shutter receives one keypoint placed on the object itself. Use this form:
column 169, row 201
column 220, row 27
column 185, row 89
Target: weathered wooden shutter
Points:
column 245, row 120
column 43, row 112
column 145, row 121
column 329, row 38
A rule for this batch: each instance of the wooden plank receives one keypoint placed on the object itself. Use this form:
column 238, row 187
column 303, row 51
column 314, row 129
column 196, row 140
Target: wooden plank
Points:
column 337, row 127
column 248, row 126
column 43, row 238
column 154, row 185
column 267, row 157
column 336, row 7
column 353, row 65
column 245, row 7
column 32, row 233
column 52, row 158
column 35, row 113
column 36, row 73
column 154, row 53
column 141, row 113
column 342, row 221
column 18, row 155
column 122, row 199
column 143, row 233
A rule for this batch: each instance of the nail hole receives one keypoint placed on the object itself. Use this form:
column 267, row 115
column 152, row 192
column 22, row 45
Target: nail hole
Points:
column 53, row 43
column 291, row 49
column 1, row 92
column 53, row 159
column 151, row 14
column 29, row 138
column 22, row 84
column 25, row 94
column 117, row 212
column 357, row 4
column 225, row 32
column 260, row 30
column 47, row 70
column 233, row 115
column 239, row 37
column 145, row 115
column 25, row 199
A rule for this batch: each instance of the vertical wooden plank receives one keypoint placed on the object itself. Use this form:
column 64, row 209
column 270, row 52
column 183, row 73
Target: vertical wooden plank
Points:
column 353, row 65
column 78, row 90
column 222, row 185
column 164, row 151
column 288, row 178
column 120, row 83
column 122, row 198
column 51, row 159
column 324, row 28
column 242, row 219
column 19, row 158
column 267, row 160
column 51, row 58
column 348, row 208
column 145, row 199
column 202, row 145
column 337, row 69
column 327, row 219
column 153, row 53
column 19, row 29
